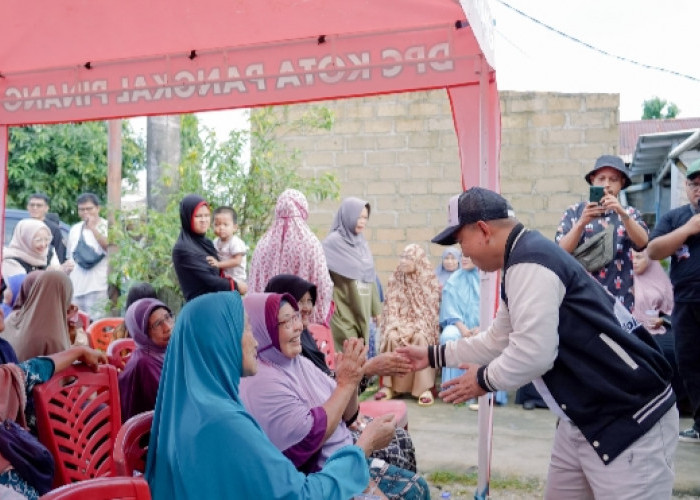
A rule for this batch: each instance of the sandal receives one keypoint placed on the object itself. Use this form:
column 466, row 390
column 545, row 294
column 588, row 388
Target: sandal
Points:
column 426, row 399
column 383, row 394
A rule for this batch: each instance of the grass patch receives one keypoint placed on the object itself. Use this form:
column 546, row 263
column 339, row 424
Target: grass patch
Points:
column 498, row 482
column 686, row 492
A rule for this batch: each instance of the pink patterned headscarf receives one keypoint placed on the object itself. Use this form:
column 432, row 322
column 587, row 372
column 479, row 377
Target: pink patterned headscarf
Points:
column 290, row 247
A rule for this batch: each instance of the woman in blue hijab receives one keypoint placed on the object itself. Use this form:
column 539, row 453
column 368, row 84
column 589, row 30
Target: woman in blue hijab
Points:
column 449, row 263
column 204, row 444
column 459, row 314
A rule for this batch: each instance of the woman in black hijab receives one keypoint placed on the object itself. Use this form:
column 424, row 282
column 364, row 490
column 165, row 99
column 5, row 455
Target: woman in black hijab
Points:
column 192, row 248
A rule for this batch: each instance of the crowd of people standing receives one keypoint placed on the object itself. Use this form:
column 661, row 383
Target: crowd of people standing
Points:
column 624, row 326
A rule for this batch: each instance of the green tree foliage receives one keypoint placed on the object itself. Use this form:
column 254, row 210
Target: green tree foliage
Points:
column 220, row 173
column 657, row 108
column 64, row 161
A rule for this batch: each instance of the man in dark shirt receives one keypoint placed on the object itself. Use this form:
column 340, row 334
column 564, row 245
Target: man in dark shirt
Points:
column 677, row 234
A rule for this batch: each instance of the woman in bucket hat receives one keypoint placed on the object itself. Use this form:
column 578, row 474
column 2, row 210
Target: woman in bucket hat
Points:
column 586, row 219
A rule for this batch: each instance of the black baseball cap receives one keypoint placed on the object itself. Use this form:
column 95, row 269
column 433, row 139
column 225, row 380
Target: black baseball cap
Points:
column 471, row 206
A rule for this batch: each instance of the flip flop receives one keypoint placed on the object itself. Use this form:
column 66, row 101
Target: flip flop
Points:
column 383, row 394
column 426, row 399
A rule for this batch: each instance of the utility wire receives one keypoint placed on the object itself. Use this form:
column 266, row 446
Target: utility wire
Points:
column 596, row 49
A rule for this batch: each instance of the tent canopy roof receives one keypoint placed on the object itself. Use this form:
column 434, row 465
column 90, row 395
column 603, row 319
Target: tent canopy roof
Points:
column 72, row 32
column 81, row 59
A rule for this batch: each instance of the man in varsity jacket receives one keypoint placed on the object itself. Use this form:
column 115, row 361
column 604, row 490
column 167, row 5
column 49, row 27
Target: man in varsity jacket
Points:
column 598, row 370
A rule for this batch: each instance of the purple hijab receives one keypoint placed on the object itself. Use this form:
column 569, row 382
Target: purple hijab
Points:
column 347, row 253
column 286, row 395
column 138, row 383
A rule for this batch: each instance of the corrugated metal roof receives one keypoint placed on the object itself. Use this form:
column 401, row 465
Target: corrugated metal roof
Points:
column 630, row 131
column 652, row 150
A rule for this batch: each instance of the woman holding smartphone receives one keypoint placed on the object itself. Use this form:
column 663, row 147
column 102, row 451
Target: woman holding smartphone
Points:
column 586, row 219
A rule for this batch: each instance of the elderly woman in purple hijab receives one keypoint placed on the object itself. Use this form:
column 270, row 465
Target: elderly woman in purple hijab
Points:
column 150, row 323
column 303, row 411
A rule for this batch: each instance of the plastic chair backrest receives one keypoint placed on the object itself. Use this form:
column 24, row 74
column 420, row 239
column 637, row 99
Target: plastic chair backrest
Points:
column 131, row 446
column 84, row 319
column 119, row 351
column 324, row 341
column 78, row 416
column 100, row 332
column 103, row 488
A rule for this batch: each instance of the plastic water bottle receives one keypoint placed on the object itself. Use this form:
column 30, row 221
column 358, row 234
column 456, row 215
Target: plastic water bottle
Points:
column 446, row 494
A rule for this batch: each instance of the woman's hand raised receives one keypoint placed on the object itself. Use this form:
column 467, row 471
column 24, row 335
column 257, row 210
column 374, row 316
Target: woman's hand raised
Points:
column 349, row 364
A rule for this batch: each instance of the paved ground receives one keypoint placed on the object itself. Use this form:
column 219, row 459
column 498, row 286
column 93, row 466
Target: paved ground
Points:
column 446, row 439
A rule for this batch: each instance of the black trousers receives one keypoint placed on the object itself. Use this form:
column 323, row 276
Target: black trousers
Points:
column 686, row 327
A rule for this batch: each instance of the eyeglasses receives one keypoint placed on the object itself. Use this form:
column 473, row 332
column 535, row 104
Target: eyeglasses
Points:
column 290, row 321
column 693, row 186
column 167, row 318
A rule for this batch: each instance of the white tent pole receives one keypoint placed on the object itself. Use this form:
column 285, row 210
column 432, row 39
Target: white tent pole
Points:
column 4, row 150
column 487, row 288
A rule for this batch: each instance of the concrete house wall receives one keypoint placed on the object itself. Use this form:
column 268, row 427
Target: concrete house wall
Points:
column 400, row 153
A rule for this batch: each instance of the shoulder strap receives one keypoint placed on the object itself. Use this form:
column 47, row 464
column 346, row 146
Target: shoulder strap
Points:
column 27, row 266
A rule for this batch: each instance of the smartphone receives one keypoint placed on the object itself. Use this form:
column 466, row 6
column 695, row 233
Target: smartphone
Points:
column 596, row 194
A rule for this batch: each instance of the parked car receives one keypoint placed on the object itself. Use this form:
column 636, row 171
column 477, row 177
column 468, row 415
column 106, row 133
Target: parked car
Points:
column 14, row 215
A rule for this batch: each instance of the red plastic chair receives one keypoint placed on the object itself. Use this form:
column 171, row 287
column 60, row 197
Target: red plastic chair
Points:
column 119, row 351
column 324, row 340
column 131, row 446
column 101, row 332
column 78, row 417
column 103, row 488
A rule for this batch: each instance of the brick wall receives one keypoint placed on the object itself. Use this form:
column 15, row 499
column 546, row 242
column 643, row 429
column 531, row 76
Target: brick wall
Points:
column 549, row 142
column 399, row 152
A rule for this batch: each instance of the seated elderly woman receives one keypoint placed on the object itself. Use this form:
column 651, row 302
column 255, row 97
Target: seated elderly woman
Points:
column 16, row 384
column 400, row 451
column 204, row 444
column 304, row 412
column 410, row 317
column 40, row 326
column 150, row 323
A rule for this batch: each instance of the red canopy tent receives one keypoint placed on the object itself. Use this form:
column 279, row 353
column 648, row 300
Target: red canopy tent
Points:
column 73, row 60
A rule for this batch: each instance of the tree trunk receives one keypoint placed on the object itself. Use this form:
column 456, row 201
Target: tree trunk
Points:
column 163, row 159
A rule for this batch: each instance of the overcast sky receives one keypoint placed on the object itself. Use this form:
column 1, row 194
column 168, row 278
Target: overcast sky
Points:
column 530, row 57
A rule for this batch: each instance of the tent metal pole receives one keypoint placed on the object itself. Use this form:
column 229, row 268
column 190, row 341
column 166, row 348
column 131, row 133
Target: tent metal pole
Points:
column 487, row 288
column 4, row 155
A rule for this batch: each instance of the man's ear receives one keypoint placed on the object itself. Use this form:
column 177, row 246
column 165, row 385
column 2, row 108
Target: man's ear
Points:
column 484, row 228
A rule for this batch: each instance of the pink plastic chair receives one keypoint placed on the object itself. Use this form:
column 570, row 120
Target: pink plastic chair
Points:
column 324, row 341
column 78, row 417
column 119, row 351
